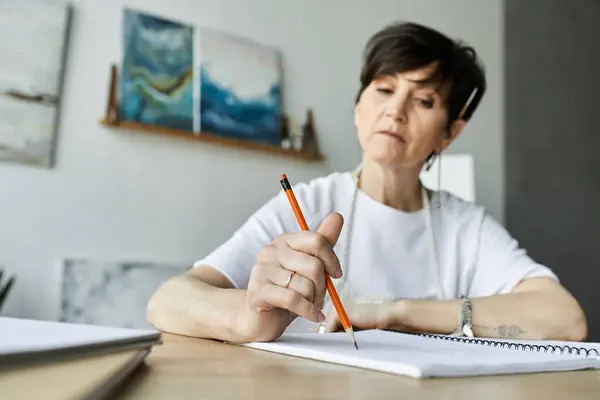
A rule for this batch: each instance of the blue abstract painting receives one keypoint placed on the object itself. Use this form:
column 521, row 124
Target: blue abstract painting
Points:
column 157, row 83
column 240, row 88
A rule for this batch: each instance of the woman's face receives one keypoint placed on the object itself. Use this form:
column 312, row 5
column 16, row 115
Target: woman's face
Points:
column 401, row 119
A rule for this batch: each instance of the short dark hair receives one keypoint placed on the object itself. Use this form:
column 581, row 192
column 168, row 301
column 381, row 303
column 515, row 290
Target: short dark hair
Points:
column 405, row 46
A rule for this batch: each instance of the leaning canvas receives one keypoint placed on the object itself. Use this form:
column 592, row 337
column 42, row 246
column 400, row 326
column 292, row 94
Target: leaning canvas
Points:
column 157, row 85
column 240, row 87
column 111, row 293
column 199, row 80
column 33, row 42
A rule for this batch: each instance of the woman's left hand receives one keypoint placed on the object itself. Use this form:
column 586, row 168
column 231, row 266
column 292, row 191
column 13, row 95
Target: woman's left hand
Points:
column 362, row 316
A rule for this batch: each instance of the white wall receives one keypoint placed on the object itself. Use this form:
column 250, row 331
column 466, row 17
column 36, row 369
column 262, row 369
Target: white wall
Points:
column 135, row 196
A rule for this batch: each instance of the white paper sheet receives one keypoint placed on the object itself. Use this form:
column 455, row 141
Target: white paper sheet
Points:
column 420, row 357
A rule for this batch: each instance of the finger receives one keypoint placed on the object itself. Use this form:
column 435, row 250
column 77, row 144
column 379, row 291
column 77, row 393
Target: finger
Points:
column 259, row 275
column 306, row 266
column 331, row 227
column 320, row 304
column 312, row 244
column 280, row 276
column 275, row 296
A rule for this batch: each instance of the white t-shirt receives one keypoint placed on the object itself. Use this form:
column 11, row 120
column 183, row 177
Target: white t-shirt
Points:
column 391, row 254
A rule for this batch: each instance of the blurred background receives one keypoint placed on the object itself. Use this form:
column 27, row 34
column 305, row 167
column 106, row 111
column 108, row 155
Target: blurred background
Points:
column 106, row 190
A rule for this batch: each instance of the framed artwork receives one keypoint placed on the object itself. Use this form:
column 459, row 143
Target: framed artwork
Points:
column 199, row 80
column 110, row 293
column 240, row 88
column 157, row 84
column 33, row 46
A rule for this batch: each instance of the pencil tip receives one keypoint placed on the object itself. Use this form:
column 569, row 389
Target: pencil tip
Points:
column 350, row 333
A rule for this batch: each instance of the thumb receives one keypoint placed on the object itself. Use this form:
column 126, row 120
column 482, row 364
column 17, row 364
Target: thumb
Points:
column 331, row 227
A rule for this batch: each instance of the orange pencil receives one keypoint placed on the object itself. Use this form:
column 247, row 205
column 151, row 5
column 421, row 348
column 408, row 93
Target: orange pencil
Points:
column 339, row 308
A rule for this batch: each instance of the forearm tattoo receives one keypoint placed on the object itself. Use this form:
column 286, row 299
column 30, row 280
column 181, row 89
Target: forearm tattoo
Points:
column 506, row 331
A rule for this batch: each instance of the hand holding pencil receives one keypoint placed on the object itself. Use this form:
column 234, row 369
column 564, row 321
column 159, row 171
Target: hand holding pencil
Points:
column 288, row 280
column 339, row 308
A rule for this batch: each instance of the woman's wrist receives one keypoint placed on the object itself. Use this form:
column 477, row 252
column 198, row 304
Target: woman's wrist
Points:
column 433, row 316
column 388, row 313
column 397, row 315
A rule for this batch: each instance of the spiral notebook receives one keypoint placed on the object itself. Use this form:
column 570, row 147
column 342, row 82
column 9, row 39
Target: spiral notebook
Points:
column 429, row 356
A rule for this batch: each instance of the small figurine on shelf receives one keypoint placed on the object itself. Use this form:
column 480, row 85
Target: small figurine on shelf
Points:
column 295, row 132
column 309, row 137
column 112, row 116
column 285, row 133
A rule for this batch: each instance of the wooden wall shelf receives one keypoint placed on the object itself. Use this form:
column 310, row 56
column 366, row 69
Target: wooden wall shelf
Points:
column 111, row 120
column 207, row 137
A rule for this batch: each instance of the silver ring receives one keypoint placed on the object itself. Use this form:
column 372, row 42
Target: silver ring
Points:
column 289, row 279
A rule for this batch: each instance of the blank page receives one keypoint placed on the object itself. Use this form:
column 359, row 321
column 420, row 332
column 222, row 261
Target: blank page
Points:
column 418, row 356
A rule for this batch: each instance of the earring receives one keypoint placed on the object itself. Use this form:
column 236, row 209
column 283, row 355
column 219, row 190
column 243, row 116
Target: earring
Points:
column 430, row 161
column 439, row 188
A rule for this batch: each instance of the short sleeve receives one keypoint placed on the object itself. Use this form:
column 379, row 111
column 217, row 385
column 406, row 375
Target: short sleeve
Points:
column 501, row 264
column 235, row 257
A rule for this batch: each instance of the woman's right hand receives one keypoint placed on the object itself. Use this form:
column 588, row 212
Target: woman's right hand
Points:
column 273, row 300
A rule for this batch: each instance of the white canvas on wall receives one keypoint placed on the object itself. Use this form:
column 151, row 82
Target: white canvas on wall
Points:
column 34, row 37
column 458, row 176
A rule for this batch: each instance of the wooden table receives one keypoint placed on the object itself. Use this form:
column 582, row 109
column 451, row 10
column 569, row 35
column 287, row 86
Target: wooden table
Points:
column 183, row 368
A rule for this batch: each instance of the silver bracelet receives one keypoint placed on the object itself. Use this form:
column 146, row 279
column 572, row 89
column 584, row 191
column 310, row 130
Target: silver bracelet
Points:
column 465, row 325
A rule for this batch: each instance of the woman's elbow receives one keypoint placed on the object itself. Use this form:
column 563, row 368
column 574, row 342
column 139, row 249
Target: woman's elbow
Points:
column 577, row 330
column 572, row 321
column 156, row 309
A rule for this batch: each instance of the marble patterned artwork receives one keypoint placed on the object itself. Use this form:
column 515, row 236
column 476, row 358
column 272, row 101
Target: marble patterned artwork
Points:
column 240, row 87
column 158, row 71
column 34, row 41
column 111, row 293
column 199, row 80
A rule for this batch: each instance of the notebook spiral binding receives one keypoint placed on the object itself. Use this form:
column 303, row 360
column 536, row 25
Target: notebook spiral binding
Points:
column 549, row 348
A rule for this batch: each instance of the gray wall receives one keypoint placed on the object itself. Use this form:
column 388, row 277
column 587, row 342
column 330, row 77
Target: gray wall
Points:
column 553, row 140
column 120, row 195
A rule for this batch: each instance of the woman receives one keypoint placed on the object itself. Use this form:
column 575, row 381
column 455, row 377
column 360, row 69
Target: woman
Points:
column 403, row 257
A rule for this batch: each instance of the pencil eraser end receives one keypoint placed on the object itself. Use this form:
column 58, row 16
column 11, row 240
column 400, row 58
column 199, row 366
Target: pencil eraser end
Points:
column 282, row 177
